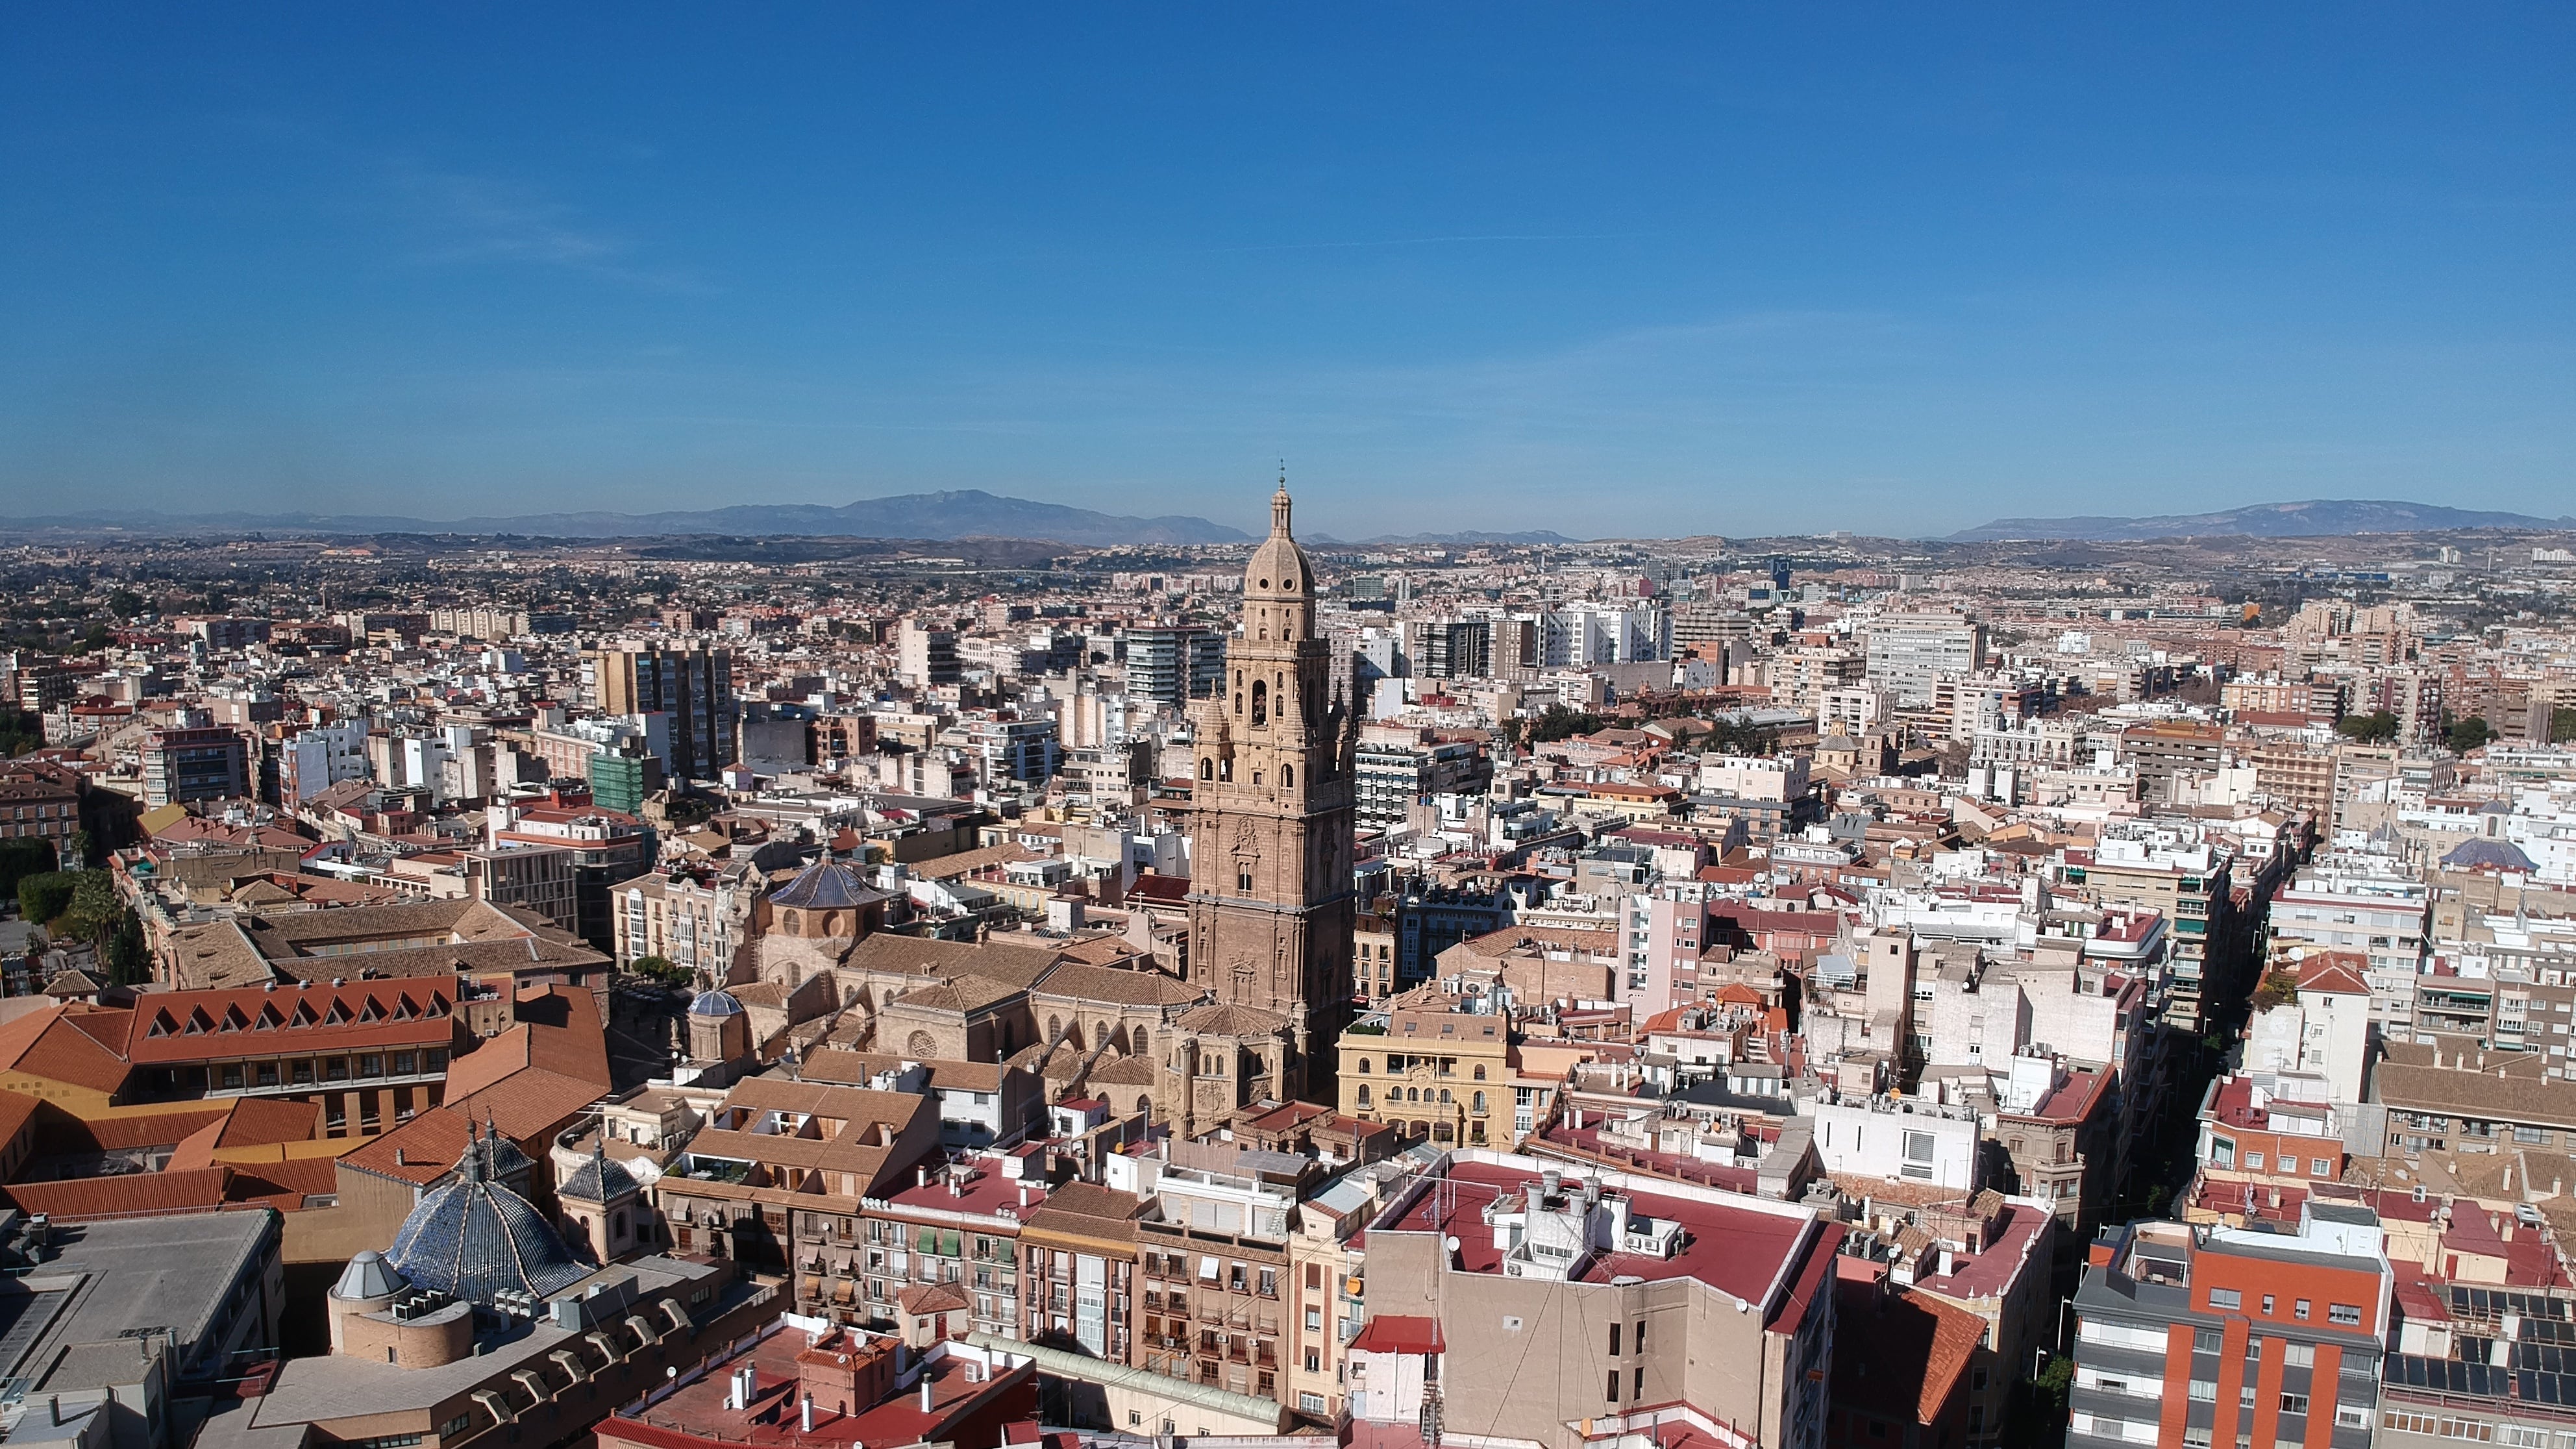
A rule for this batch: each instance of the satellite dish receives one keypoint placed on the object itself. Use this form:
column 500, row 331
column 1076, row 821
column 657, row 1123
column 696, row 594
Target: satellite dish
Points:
column 1450, row 1243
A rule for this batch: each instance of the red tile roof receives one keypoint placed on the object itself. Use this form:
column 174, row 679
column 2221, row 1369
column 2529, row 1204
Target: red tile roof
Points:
column 190, row 1026
column 1399, row 1333
column 52, row 1044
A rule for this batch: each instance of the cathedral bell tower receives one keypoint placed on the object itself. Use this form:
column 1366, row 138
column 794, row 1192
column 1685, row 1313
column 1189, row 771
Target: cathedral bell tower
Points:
column 1271, row 910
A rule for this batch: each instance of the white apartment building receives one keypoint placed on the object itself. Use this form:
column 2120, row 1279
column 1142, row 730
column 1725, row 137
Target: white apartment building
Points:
column 2370, row 905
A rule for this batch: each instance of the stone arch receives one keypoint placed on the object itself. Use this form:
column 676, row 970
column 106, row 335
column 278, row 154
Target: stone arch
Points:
column 1207, row 769
column 1055, row 1028
column 1260, row 702
column 1137, row 1037
column 1287, row 777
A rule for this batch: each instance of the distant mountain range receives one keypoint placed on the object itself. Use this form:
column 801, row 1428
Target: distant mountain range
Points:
column 928, row 517
column 968, row 513
column 2315, row 518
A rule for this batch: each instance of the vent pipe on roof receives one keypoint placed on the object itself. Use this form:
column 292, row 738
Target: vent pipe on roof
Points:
column 925, row 1389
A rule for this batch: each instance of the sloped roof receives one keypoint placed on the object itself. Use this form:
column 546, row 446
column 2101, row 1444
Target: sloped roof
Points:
column 179, row 1026
column 2334, row 971
column 51, row 1044
column 1115, row 986
column 967, row 994
column 1900, row 1356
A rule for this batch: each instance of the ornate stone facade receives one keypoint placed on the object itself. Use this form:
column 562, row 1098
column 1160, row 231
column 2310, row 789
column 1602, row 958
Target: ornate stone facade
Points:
column 1271, row 907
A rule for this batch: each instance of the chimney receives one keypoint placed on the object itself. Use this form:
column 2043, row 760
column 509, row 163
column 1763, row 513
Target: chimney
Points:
column 925, row 1388
column 805, row 1415
column 1024, row 1192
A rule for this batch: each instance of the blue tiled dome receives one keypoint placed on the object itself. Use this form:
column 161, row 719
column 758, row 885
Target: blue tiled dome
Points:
column 600, row 1179
column 474, row 1239
column 715, row 1003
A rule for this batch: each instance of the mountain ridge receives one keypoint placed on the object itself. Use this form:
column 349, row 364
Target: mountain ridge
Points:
column 934, row 517
column 2308, row 518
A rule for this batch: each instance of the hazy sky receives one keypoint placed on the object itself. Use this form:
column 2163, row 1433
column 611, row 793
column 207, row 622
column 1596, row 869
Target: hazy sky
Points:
column 1602, row 268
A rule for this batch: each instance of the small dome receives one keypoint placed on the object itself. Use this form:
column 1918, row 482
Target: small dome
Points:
column 601, row 1179
column 717, row 1002
column 1279, row 569
column 369, row 1276
column 826, row 885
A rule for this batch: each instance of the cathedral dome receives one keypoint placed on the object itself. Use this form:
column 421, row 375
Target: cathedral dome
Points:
column 475, row 1239
column 1279, row 569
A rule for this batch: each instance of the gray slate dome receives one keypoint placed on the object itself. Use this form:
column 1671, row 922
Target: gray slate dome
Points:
column 474, row 1239
column 601, row 1179
column 718, row 1002
column 826, row 885
column 369, row 1276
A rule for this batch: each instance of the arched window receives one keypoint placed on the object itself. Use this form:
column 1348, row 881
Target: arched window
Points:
column 1413, row 1094
column 1144, row 1105
column 1364, row 1066
column 617, row 1224
column 1055, row 1028
column 1225, row 769
column 1139, row 1039
column 1444, row 1096
column 1364, row 1097
column 1480, row 1071
column 790, row 920
column 1260, row 701
column 1207, row 769
column 1100, row 1032
column 1480, row 1101
column 1287, row 777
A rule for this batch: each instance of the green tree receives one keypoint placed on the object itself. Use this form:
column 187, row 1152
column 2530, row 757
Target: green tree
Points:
column 1559, row 723
column 124, row 603
column 22, row 858
column 2562, row 726
column 662, row 969
column 2468, row 734
column 45, row 895
column 2376, row 728
column 1733, row 735
column 94, row 907
column 20, row 732
column 96, row 638
column 128, row 964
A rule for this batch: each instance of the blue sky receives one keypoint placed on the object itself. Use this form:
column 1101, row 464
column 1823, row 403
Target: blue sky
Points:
column 1606, row 269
